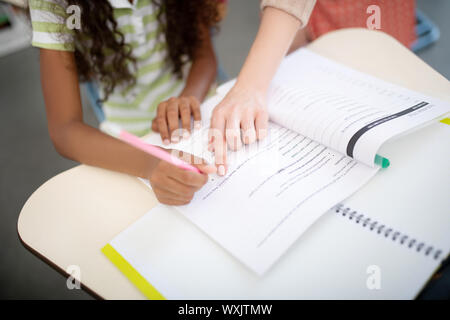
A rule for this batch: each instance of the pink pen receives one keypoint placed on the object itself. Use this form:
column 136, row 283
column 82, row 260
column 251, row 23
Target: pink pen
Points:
column 151, row 149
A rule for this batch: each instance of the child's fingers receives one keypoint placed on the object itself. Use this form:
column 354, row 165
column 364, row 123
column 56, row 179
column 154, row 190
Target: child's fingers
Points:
column 172, row 119
column 170, row 198
column 162, row 123
column 198, row 162
column 189, row 178
column 155, row 126
column 204, row 166
column 177, row 188
column 172, row 202
column 185, row 113
column 172, row 195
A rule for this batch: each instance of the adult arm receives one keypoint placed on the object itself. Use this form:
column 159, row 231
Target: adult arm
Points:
column 242, row 115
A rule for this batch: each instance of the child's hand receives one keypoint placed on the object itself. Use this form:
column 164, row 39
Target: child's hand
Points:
column 175, row 186
column 168, row 117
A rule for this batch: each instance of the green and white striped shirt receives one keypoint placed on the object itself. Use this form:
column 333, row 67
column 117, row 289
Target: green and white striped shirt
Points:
column 131, row 108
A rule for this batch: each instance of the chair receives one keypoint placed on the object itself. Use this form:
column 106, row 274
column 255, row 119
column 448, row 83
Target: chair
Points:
column 427, row 32
column 94, row 100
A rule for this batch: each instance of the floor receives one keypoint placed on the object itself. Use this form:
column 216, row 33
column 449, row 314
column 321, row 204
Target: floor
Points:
column 27, row 157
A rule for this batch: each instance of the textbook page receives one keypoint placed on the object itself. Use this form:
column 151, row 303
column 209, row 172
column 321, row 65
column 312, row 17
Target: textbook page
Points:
column 273, row 192
column 344, row 109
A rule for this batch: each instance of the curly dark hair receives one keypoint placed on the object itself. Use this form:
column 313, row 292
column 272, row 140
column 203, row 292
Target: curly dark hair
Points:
column 181, row 20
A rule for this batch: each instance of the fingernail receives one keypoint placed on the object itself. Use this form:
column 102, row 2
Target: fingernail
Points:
column 186, row 135
column 175, row 139
column 197, row 124
column 221, row 170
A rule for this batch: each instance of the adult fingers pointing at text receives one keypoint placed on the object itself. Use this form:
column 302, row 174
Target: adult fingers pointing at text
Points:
column 242, row 117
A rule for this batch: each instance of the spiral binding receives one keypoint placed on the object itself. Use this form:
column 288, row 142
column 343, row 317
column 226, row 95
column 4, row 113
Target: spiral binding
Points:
column 387, row 232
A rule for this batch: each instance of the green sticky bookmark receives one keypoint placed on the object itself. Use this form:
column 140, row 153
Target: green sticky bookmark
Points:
column 381, row 161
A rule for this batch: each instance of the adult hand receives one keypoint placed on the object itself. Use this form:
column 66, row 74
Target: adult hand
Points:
column 168, row 115
column 245, row 105
column 176, row 186
column 241, row 117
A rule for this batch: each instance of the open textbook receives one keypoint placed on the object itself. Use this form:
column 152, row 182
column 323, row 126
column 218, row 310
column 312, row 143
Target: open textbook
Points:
column 327, row 124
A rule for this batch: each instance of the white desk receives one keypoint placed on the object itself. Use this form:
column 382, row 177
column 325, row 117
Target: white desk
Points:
column 72, row 216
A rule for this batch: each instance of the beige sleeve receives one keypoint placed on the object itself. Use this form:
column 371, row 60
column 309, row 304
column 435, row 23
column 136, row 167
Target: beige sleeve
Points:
column 301, row 9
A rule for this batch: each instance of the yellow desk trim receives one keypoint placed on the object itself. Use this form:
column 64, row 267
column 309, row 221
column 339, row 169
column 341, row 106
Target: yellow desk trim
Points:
column 446, row 121
column 127, row 269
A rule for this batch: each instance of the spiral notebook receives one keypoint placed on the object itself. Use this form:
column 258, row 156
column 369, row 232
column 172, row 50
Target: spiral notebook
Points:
column 346, row 255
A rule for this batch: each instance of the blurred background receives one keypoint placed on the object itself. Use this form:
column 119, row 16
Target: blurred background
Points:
column 28, row 159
